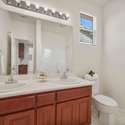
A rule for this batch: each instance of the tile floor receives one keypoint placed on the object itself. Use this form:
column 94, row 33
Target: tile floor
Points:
column 94, row 117
column 119, row 118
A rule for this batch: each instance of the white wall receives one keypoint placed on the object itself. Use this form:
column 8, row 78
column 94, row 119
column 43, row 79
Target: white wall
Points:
column 85, row 57
column 114, row 51
column 23, row 27
column 5, row 27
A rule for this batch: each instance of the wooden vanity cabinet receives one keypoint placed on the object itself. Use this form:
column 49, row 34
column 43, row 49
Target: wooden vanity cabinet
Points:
column 1, row 120
column 65, row 107
column 17, row 104
column 72, row 94
column 46, row 109
column 46, row 99
column 22, row 118
column 17, row 111
column 46, row 115
column 75, row 112
column 74, row 106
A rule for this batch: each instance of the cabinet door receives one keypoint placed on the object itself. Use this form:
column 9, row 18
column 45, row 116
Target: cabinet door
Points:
column 1, row 121
column 23, row 118
column 46, row 115
column 76, row 112
column 83, row 111
column 65, row 113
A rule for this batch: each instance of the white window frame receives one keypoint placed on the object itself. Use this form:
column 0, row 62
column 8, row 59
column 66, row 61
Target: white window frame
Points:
column 94, row 28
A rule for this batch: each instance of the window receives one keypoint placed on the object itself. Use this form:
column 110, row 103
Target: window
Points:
column 87, row 29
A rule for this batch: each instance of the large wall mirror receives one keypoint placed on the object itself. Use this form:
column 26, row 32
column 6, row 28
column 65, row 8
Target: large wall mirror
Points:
column 17, row 44
column 27, row 47
column 56, row 48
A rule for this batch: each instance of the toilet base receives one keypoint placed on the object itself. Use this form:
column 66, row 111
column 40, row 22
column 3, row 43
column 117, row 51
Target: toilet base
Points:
column 106, row 119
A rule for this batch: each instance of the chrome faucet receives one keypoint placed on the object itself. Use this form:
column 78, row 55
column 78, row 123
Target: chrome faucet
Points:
column 65, row 74
column 11, row 79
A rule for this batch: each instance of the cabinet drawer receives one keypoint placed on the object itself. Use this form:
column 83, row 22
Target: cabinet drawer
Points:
column 45, row 99
column 21, row 118
column 73, row 94
column 16, row 104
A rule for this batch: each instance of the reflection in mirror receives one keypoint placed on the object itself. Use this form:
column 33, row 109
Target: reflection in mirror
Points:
column 29, row 45
column 9, row 56
column 4, row 45
column 55, row 46
column 23, row 44
column 5, row 57
column 22, row 56
column 1, row 62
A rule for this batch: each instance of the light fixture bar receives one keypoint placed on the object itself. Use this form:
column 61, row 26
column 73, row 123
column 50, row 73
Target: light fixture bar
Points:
column 23, row 4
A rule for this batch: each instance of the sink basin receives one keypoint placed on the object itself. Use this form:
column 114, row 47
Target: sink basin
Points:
column 11, row 87
column 69, row 81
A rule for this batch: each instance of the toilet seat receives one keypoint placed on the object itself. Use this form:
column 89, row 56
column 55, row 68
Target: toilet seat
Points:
column 105, row 104
column 107, row 101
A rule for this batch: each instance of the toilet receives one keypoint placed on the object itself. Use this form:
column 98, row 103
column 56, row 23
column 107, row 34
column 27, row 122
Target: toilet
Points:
column 105, row 106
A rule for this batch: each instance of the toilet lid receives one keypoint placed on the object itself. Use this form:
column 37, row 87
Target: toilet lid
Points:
column 106, row 100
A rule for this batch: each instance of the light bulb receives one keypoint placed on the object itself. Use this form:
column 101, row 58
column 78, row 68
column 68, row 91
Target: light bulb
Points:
column 28, row 3
column 60, row 13
column 45, row 8
column 53, row 10
column 37, row 6
column 67, row 15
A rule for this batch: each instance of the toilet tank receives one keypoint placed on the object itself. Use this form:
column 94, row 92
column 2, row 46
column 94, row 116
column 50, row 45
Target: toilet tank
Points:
column 95, row 87
column 95, row 80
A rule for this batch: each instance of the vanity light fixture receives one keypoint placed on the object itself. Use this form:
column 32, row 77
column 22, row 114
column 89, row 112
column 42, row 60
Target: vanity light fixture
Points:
column 49, row 12
column 60, row 13
column 12, row 2
column 67, row 15
column 53, row 10
column 46, row 8
column 28, row 3
column 32, row 7
column 41, row 10
column 37, row 6
column 25, row 4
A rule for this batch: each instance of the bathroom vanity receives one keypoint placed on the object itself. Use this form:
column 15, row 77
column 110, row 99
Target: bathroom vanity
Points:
column 33, row 46
column 33, row 43
column 71, row 106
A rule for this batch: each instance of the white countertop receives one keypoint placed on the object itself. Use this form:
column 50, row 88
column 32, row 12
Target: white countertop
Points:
column 34, row 86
